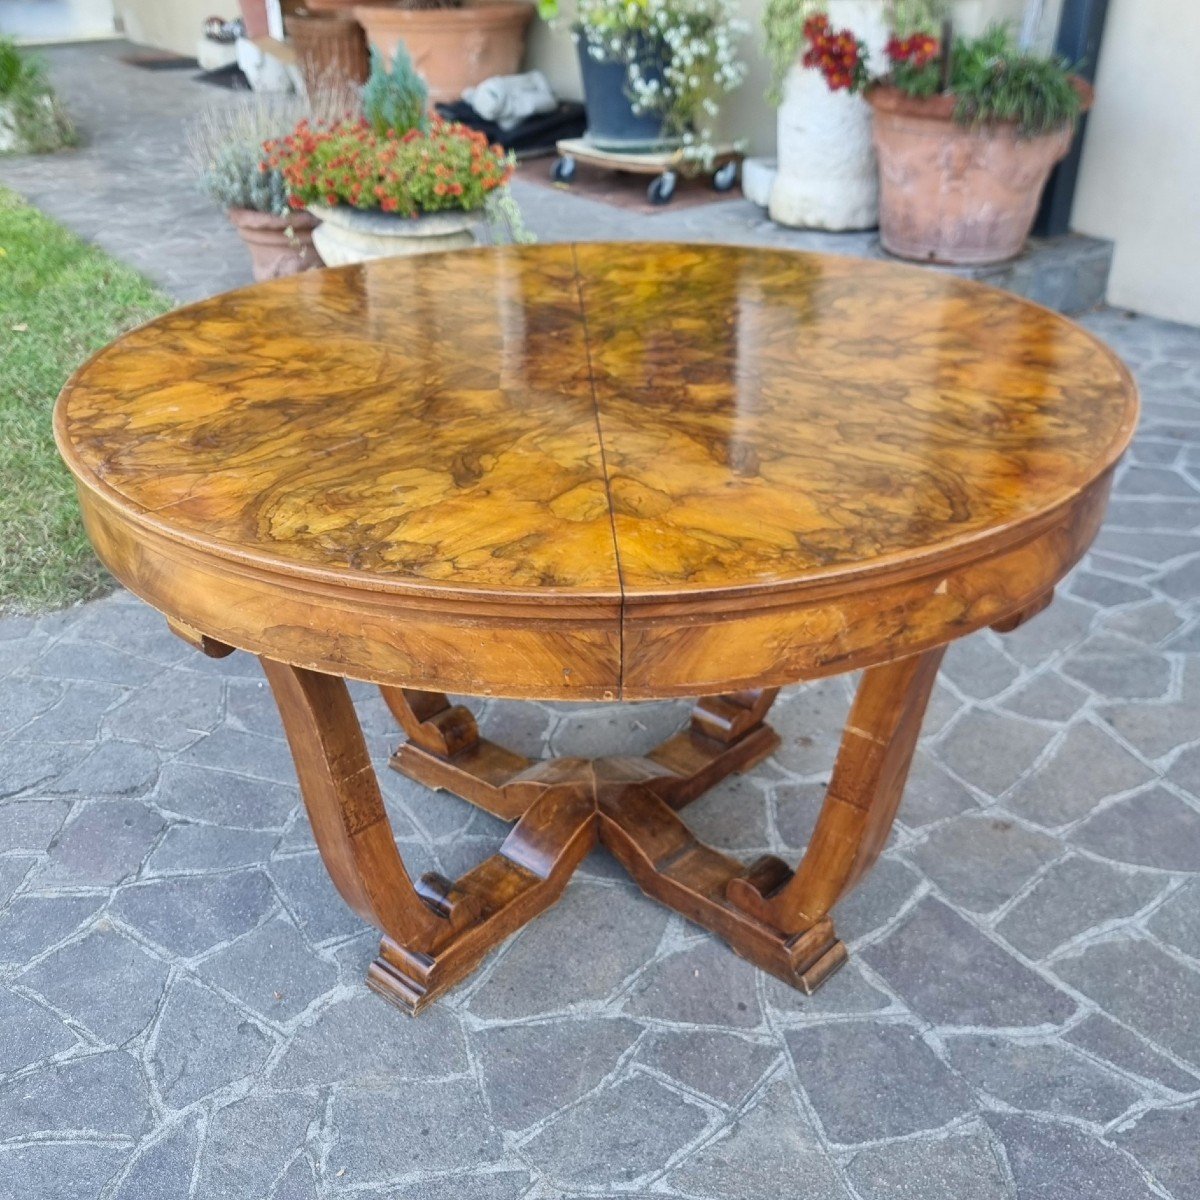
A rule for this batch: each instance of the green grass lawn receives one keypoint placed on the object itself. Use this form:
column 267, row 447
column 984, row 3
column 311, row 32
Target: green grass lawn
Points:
column 60, row 299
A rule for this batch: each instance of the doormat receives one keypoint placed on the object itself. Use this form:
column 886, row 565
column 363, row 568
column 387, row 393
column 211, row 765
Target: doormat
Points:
column 624, row 190
column 151, row 60
column 230, row 77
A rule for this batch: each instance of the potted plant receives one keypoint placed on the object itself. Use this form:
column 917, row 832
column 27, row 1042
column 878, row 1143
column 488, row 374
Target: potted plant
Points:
column 226, row 150
column 967, row 133
column 653, row 70
column 31, row 118
column 453, row 45
column 395, row 180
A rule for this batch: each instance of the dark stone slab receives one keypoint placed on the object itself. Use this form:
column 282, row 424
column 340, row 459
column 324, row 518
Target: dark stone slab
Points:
column 1073, row 896
column 989, row 751
column 30, row 824
column 58, row 1170
column 596, row 936
column 162, row 1168
column 224, row 799
column 210, row 848
column 932, row 794
column 980, row 861
column 250, row 1142
column 446, row 1128
column 950, row 974
column 187, row 915
column 1053, row 1162
column 1104, row 1039
column 712, row 1062
column 869, row 1081
column 571, row 1058
column 1041, row 1077
column 31, row 1033
column 616, row 1135
column 1164, row 1141
column 105, row 981
column 312, row 899
column 1177, row 922
column 102, row 1094
column 1144, row 988
column 272, row 970
column 704, row 985
column 202, row 1044
column 1153, row 829
column 502, row 1185
column 1083, row 769
column 962, row 1166
column 766, row 1153
column 230, row 749
column 1132, row 676
column 365, row 1041
column 979, row 667
column 94, row 661
column 32, row 924
column 106, row 843
column 25, row 766
column 112, row 769
column 847, row 992
column 170, row 712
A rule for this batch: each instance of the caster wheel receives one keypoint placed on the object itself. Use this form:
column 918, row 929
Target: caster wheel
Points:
column 563, row 170
column 726, row 176
column 662, row 188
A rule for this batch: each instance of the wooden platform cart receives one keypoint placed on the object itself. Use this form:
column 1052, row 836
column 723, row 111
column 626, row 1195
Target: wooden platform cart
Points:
column 666, row 166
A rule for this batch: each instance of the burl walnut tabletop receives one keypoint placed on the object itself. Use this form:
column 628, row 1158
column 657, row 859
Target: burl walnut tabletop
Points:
column 596, row 472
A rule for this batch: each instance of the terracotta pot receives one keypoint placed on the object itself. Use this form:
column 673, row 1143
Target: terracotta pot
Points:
column 331, row 51
column 452, row 48
column 278, row 246
column 956, row 194
column 350, row 235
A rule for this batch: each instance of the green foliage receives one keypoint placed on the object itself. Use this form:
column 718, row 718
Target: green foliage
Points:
column 236, row 180
column 28, row 107
column 994, row 81
column 60, row 300
column 225, row 149
column 397, row 99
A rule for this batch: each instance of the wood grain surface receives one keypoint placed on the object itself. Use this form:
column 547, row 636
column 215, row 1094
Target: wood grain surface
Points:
column 597, row 470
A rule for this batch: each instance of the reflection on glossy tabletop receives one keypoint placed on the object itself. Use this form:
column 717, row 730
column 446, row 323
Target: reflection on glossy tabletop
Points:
column 594, row 471
column 750, row 416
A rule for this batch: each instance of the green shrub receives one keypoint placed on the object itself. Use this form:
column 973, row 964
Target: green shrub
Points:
column 30, row 113
column 398, row 99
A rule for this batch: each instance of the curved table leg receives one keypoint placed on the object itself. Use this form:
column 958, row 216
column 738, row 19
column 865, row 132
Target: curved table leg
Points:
column 860, row 805
column 435, row 931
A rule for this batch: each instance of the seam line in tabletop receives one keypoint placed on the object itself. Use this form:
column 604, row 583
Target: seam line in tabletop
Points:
column 612, row 517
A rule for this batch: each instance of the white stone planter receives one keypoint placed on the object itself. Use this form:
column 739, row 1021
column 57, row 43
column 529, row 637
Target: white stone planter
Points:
column 827, row 176
column 349, row 235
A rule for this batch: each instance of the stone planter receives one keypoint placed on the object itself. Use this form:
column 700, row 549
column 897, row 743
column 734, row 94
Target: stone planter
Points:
column 331, row 51
column 955, row 194
column 350, row 235
column 452, row 48
column 278, row 246
column 827, row 176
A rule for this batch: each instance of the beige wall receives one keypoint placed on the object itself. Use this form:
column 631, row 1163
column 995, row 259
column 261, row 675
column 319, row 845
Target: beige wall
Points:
column 1140, row 179
column 170, row 24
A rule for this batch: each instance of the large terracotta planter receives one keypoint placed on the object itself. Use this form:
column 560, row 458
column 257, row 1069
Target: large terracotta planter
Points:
column 331, row 51
column 956, row 194
column 278, row 246
column 350, row 235
column 827, row 176
column 452, row 48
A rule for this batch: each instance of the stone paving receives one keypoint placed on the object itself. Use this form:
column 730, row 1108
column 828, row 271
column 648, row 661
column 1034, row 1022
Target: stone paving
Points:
column 181, row 992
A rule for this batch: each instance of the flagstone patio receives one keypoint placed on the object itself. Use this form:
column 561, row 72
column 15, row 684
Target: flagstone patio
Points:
column 181, row 993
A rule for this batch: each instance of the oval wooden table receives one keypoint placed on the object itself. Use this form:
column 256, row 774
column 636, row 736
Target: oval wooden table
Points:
column 596, row 472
